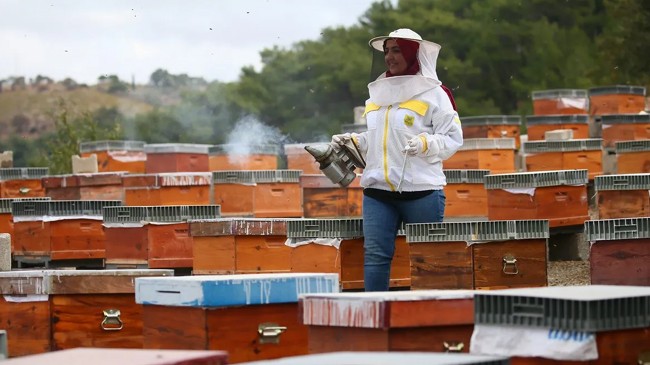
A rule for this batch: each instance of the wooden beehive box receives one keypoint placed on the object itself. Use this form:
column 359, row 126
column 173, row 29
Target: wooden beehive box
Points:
column 619, row 251
column 240, row 246
column 252, row 316
column 622, row 195
column 99, row 356
column 624, row 127
column 299, row 159
column 113, row 156
column 239, row 156
column 60, row 232
column 6, row 217
column 492, row 126
column 538, row 125
column 423, row 320
column 258, row 193
column 183, row 188
column 465, row 194
column 176, row 157
column 584, row 324
column 152, row 236
column 632, row 156
column 559, row 196
column 478, row 255
column 321, row 198
column 574, row 154
column 494, row 154
column 46, row 310
column 616, row 99
column 560, row 101
column 336, row 246
column 22, row 182
column 92, row 186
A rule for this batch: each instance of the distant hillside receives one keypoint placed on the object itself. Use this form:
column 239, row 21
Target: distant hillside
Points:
column 26, row 112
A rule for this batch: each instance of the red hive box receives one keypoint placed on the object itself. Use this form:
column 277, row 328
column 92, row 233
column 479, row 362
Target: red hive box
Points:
column 617, row 99
column 632, row 156
column 152, row 236
column 574, row 154
column 423, row 320
column 560, row 101
column 56, row 232
column 243, row 157
column 624, row 127
column 176, row 157
column 183, row 188
column 22, row 182
column 559, row 196
column 47, row 310
column 94, row 186
column 126, row 156
column 537, row 126
column 322, row 198
column 492, row 126
column 6, row 217
column 622, row 195
column 465, row 194
column 478, row 255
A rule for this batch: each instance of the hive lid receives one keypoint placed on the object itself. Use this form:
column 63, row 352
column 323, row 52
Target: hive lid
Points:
column 491, row 120
column 625, row 118
column 458, row 176
column 632, row 146
column 478, row 231
column 557, row 119
column 588, row 308
column 93, row 146
column 5, row 203
column 234, row 226
column 176, row 148
column 61, row 208
column 572, row 145
column 559, row 93
column 536, row 179
column 23, row 173
column 617, row 89
column 159, row 214
column 617, row 229
column 232, row 290
column 488, row 144
column 241, row 149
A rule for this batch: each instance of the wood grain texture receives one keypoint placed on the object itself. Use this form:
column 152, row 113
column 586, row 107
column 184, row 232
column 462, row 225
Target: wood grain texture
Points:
column 27, row 325
column 489, row 270
column 633, row 162
column 76, row 321
column 616, row 104
column 465, row 200
column 280, row 200
column 497, row 161
column 166, row 327
column 77, row 239
column 21, row 188
column 259, row 254
column 552, row 106
column 130, row 161
column 325, row 202
column 126, row 243
column 31, row 238
column 620, row 262
column 176, row 162
column 623, row 204
column 242, row 206
column 441, row 265
column 213, row 255
column 169, row 246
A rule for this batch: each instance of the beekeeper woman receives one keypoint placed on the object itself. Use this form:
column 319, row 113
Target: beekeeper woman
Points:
column 412, row 128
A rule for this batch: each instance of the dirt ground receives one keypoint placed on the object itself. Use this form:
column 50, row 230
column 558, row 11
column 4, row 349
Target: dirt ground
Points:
column 564, row 273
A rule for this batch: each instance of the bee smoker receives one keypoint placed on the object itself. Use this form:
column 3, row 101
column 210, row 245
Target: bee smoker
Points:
column 338, row 162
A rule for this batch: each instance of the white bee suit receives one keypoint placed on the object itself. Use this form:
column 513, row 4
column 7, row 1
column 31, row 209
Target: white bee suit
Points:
column 400, row 108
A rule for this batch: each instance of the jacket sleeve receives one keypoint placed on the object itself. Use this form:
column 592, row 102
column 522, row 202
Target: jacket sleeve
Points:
column 447, row 136
column 361, row 140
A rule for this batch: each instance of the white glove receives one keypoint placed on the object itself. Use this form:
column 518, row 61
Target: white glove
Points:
column 418, row 146
column 341, row 139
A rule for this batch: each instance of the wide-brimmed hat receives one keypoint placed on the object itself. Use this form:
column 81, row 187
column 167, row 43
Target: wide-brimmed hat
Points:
column 403, row 33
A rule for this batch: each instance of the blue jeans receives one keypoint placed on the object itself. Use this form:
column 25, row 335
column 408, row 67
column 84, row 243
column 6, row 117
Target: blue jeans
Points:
column 381, row 221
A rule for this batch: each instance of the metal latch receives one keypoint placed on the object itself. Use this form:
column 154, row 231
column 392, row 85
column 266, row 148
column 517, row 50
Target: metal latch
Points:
column 510, row 260
column 270, row 332
column 112, row 321
column 453, row 346
column 24, row 191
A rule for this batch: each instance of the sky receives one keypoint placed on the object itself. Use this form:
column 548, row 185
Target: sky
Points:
column 212, row 39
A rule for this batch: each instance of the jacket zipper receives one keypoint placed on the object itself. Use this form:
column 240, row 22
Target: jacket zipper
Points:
column 385, row 148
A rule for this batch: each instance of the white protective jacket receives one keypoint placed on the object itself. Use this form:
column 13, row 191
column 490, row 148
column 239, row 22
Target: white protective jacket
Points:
column 398, row 109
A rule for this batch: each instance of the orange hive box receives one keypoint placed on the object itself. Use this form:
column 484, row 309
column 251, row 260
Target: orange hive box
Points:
column 559, row 196
column 181, row 188
column 98, row 356
column 537, row 125
column 251, row 316
column 624, row 127
column 574, row 154
column 258, row 193
column 622, row 195
column 478, row 255
column 47, row 310
column 152, row 236
column 299, row 159
column 236, row 156
column 632, row 156
column 620, row 251
column 560, row 101
column 494, row 154
column 92, row 186
column 322, row 198
column 492, row 126
column 423, row 320
column 617, row 99
column 336, row 246
column 59, row 232
column 22, row 182
column 596, row 324
column 126, row 156
column 465, row 194
column 6, row 217
column 240, row 246
column 176, row 157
